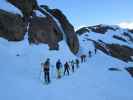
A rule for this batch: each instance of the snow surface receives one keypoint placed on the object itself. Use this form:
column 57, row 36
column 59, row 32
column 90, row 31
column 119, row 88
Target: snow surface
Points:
column 4, row 5
column 22, row 79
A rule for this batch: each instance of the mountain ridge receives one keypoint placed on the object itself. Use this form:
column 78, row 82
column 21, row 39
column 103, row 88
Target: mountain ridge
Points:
column 110, row 39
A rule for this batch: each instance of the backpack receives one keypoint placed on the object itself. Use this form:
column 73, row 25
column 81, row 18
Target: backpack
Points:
column 58, row 65
column 46, row 66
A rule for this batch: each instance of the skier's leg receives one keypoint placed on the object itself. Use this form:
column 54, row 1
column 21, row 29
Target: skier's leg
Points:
column 64, row 71
column 77, row 66
column 67, row 71
column 48, row 77
column 72, row 68
column 58, row 73
column 45, row 76
column 82, row 59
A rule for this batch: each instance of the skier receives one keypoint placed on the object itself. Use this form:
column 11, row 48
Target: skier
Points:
column 46, row 69
column 95, row 50
column 72, row 65
column 81, row 57
column 66, row 68
column 58, row 68
column 90, row 54
column 77, row 63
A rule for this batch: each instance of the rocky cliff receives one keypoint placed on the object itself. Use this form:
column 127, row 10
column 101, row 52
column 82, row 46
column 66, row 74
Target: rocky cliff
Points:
column 49, row 26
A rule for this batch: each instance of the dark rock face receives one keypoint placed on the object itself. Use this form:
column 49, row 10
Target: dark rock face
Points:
column 114, row 69
column 115, row 50
column 42, row 31
column 12, row 27
column 82, row 31
column 26, row 6
column 128, row 36
column 102, row 29
column 130, row 70
column 72, row 39
column 119, row 38
column 121, row 52
column 130, row 31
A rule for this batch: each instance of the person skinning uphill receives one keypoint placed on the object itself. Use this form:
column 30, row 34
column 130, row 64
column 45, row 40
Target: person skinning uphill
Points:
column 77, row 63
column 83, row 58
column 66, row 68
column 90, row 54
column 58, row 68
column 72, row 65
column 46, row 70
column 95, row 50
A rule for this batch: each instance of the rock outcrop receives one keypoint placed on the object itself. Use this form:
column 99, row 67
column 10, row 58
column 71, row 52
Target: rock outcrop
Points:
column 102, row 29
column 82, row 30
column 130, row 70
column 26, row 6
column 48, row 29
column 121, row 52
column 131, row 31
column 42, row 31
column 12, row 26
column 71, row 37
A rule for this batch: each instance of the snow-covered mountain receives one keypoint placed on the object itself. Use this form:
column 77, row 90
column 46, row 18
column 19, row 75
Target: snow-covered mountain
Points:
column 104, row 75
column 110, row 39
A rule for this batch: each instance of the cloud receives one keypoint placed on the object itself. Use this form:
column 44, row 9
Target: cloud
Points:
column 126, row 24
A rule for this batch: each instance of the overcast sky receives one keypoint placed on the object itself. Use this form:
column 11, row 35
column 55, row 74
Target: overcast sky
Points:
column 91, row 12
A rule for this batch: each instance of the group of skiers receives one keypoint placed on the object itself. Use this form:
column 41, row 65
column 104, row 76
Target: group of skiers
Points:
column 59, row 66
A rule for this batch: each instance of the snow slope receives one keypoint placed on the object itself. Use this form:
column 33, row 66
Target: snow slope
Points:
column 22, row 78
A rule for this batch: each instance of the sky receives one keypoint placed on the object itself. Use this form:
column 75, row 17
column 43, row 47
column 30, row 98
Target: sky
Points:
column 92, row 12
